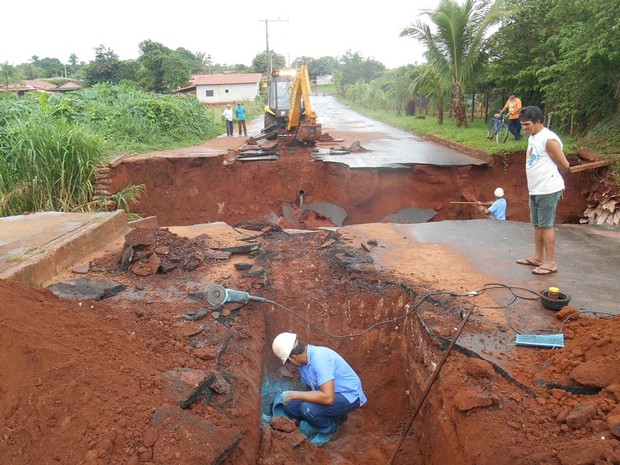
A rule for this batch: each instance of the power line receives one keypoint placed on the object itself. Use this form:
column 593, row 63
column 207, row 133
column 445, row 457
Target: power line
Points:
column 266, row 21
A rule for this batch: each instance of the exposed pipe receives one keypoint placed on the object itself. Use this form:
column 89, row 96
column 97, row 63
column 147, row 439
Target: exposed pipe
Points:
column 301, row 198
column 430, row 384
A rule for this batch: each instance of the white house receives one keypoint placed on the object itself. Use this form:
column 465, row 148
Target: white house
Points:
column 325, row 79
column 224, row 88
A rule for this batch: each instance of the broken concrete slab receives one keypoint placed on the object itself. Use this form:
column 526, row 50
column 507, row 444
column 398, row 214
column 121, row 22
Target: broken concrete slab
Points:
column 213, row 254
column 243, row 266
column 86, row 288
column 410, row 215
column 34, row 248
column 240, row 249
column 333, row 212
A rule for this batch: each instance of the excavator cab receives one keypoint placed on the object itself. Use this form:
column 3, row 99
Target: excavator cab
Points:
column 289, row 110
column 278, row 104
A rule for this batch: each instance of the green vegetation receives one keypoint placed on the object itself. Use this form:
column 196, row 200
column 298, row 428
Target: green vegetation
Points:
column 50, row 144
column 473, row 135
column 561, row 55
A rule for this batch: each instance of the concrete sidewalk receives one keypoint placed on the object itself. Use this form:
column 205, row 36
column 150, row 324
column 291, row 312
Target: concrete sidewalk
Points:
column 36, row 247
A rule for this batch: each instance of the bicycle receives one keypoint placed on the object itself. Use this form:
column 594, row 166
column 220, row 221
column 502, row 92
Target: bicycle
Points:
column 498, row 129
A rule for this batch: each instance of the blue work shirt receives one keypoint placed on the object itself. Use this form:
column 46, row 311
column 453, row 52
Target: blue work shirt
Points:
column 240, row 113
column 325, row 365
column 498, row 209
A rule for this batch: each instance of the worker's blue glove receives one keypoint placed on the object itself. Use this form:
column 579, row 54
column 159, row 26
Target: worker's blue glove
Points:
column 283, row 398
column 279, row 402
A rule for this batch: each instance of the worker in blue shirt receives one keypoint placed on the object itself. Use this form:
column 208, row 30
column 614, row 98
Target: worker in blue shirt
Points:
column 240, row 115
column 498, row 208
column 334, row 388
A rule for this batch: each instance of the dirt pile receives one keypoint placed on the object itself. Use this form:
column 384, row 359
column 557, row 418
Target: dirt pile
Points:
column 159, row 378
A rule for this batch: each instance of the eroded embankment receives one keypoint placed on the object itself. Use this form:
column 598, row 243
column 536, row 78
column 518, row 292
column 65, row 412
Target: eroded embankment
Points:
column 181, row 191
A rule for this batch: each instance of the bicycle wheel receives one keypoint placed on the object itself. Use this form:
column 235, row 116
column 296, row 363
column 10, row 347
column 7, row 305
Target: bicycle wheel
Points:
column 492, row 130
column 502, row 134
column 490, row 133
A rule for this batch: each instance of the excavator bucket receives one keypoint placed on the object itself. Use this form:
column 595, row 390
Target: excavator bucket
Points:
column 309, row 132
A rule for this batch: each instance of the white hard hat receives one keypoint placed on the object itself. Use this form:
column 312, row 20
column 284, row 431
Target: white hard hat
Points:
column 499, row 192
column 283, row 345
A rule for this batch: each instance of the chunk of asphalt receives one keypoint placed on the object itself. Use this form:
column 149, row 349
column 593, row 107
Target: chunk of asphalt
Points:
column 217, row 254
column 197, row 295
column 127, row 257
column 243, row 266
column 255, row 273
column 197, row 315
column 241, row 249
column 87, row 288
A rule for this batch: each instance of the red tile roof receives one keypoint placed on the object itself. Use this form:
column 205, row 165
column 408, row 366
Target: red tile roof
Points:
column 222, row 79
column 36, row 84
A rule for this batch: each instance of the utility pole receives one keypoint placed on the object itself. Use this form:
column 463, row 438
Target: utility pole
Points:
column 267, row 40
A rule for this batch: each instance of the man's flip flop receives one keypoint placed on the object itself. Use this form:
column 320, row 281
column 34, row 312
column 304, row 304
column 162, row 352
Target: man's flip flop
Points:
column 543, row 270
column 527, row 261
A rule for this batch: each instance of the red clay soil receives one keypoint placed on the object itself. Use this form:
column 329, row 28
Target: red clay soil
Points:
column 153, row 376
column 140, row 378
column 182, row 188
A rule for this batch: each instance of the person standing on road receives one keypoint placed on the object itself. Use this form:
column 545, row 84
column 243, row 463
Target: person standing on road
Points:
column 228, row 117
column 240, row 114
column 513, row 107
column 545, row 163
column 498, row 208
column 335, row 389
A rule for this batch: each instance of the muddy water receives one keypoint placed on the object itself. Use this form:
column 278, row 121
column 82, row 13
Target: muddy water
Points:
column 182, row 191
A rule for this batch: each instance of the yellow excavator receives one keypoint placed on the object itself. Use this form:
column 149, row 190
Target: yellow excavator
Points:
column 289, row 110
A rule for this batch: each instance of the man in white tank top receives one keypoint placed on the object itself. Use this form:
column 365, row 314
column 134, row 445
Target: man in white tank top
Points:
column 545, row 163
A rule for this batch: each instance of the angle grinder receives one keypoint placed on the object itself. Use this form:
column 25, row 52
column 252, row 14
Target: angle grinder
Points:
column 218, row 295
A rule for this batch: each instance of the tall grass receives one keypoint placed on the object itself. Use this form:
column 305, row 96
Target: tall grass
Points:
column 47, row 165
column 51, row 143
column 133, row 120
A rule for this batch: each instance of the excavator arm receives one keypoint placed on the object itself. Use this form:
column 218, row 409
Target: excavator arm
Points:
column 305, row 124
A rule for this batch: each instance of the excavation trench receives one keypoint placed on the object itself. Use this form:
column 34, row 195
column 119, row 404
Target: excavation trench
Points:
column 394, row 355
column 326, row 289
column 151, row 374
column 297, row 191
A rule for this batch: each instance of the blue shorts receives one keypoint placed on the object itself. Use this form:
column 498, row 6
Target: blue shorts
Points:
column 542, row 209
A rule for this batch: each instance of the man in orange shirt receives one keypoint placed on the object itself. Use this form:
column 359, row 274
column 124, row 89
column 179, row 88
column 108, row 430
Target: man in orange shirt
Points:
column 513, row 107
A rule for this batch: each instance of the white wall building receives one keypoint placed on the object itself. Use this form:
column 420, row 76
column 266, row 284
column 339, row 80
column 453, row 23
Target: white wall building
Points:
column 325, row 79
column 224, row 88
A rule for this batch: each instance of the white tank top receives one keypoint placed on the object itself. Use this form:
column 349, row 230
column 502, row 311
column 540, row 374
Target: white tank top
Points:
column 543, row 176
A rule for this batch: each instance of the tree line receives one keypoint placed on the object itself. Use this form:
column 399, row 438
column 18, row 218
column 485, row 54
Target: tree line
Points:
column 562, row 55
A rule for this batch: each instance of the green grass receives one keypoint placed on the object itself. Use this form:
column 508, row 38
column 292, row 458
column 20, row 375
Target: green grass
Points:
column 474, row 135
column 51, row 143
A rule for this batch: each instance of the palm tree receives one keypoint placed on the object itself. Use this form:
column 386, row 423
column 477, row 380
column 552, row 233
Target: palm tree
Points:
column 374, row 96
column 397, row 85
column 455, row 52
column 9, row 74
column 433, row 88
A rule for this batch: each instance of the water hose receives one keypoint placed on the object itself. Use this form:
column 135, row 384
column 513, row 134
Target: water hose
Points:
column 429, row 385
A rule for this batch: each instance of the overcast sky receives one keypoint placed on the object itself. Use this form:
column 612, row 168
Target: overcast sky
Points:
column 230, row 31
